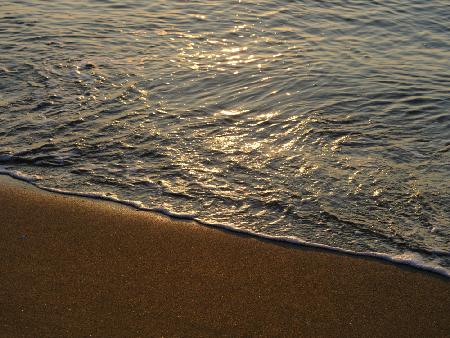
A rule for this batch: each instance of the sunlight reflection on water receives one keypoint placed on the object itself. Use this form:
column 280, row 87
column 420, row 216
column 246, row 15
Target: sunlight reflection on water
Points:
column 326, row 121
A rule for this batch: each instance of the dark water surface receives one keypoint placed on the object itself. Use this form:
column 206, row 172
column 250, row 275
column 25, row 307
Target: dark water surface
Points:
column 326, row 121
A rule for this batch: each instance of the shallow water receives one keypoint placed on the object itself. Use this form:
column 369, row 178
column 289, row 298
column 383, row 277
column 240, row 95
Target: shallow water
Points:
column 325, row 121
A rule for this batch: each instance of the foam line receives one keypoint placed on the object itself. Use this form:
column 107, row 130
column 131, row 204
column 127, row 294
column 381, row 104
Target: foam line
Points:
column 403, row 259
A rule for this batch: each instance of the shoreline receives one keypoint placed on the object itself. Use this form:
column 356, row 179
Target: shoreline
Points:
column 78, row 266
column 233, row 230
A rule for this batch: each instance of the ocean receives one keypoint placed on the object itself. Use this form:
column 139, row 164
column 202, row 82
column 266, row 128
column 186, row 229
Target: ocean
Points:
column 325, row 123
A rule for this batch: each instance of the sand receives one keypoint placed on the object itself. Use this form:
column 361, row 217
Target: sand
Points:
column 76, row 267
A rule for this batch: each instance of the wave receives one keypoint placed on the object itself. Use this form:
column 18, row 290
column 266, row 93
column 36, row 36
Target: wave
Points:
column 407, row 258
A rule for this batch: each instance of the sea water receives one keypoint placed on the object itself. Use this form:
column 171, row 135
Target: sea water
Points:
column 318, row 122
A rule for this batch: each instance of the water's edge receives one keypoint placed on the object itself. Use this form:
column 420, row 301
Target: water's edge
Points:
column 283, row 239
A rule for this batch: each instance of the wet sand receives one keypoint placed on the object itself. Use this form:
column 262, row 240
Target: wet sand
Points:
column 75, row 267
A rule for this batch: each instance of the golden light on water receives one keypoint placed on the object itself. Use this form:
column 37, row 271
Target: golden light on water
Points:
column 212, row 57
column 205, row 52
column 287, row 101
column 232, row 112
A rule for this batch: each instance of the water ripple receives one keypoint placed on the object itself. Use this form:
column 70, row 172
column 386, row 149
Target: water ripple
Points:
column 326, row 121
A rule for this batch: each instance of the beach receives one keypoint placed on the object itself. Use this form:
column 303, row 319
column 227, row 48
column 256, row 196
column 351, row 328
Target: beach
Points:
column 224, row 168
column 81, row 267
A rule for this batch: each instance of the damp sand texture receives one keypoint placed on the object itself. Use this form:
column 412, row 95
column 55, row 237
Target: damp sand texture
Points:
column 79, row 267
